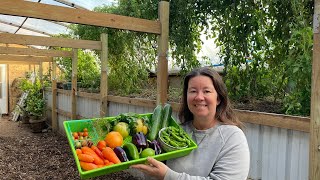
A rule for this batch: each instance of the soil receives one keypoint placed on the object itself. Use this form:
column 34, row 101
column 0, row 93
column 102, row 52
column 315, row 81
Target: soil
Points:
column 32, row 156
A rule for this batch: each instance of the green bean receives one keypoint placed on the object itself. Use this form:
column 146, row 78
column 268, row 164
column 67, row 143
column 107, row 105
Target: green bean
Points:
column 173, row 143
column 175, row 136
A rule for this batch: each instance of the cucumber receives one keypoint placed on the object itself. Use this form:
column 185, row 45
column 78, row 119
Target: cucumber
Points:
column 167, row 112
column 156, row 122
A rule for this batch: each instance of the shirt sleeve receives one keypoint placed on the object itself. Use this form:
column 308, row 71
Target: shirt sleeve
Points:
column 233, row 162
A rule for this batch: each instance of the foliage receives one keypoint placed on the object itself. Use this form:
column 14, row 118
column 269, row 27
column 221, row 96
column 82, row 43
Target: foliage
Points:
column 35, row 102
column 132, row 54
column 277, row 37
column 265, row 45
column 88, row 69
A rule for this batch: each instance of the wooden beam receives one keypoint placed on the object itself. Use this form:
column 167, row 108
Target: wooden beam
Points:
column 35, row 52
column 9, row 58
column 78, row 16
column 162, row 69
column 314, row 143
column 54, row 120
column 74, row 84
column 104, row 76
column 48, row 41
column 274, row 120
column 19, row 62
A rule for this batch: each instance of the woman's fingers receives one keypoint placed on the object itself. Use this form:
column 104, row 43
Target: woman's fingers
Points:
column 154, row 162
column 154, row 168
column 142, row 167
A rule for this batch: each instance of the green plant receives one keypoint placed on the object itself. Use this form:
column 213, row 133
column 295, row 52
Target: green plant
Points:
column 35, row 103
column 277, row 41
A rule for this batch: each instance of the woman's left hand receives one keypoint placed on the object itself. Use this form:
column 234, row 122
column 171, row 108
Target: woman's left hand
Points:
column 154, row 168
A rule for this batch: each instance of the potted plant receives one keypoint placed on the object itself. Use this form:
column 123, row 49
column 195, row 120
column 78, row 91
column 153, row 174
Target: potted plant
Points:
column 36, row 106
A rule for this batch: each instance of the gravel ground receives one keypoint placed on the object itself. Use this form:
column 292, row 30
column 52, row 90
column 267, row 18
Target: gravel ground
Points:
column 33, row 156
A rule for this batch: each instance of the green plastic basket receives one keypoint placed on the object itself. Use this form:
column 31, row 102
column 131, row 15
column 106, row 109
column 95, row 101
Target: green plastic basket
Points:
column 78, row 125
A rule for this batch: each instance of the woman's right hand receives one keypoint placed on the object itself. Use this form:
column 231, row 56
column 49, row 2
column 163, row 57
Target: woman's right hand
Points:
column 153, row 168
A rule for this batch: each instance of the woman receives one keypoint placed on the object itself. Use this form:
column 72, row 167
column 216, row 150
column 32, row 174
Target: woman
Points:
column 207, row 116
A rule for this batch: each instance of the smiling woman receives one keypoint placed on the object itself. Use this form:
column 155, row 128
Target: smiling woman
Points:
column 208, row 118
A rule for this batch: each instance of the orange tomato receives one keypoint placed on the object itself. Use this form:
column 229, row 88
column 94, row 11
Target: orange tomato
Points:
column 114, row 139
column 85, row 134
column 101, row 145
column 85, row 130
column 75, row 135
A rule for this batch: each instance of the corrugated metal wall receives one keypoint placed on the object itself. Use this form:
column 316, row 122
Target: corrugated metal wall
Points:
column 276, row 153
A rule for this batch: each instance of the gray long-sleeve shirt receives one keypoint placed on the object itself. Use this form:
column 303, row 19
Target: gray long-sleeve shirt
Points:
column 222, row 154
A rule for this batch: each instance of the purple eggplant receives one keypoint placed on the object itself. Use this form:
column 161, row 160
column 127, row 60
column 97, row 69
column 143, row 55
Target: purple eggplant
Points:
column 121, row 154
column 155, row 146
column 140, row 140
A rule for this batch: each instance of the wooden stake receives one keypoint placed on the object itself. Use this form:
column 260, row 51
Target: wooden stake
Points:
column 41, row 73
column 54, row 120
column 74, row 84
column 162, row 69
column 104, row 76
column 314, row 144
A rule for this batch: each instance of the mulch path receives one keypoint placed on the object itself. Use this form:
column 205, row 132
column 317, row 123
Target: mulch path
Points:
column 32, row 156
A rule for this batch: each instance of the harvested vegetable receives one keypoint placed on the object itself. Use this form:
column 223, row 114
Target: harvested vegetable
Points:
column 139, row 140
column 85, row 158
column 110, row 155
column 121, row 154
column 131, row 151
column 114, row 139
column 156, row 122
column 88, row 166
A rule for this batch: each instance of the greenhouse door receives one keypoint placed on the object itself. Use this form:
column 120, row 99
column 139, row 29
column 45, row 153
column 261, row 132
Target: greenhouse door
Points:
column 3, row 90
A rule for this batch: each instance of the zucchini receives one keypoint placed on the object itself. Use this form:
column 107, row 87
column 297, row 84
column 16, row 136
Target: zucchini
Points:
column 156, row 122
column 131, row 151
column 167, row 112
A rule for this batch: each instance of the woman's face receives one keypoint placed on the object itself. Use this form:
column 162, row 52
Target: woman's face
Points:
column 202, row 98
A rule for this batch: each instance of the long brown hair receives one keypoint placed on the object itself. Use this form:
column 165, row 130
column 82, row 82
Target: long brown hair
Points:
column 224, row 111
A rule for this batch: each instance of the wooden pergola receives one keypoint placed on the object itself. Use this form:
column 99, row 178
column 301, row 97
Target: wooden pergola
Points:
column 54, row 13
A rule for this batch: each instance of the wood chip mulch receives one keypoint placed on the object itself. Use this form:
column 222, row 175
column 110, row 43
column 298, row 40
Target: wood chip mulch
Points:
column 34, row 156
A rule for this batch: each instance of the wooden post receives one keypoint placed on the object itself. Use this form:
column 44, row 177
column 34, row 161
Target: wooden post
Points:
column 314, row 144
column 54, row 120
column 162, row 69
column 104, row 76
column 74, row 84
column 41, row 73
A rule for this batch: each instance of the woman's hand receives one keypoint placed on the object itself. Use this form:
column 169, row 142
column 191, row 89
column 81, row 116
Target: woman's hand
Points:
column 153, row 168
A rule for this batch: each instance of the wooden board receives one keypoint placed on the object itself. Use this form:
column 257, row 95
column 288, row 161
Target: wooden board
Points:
column 35, row 52
column 48, row 41
column 78, row 16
